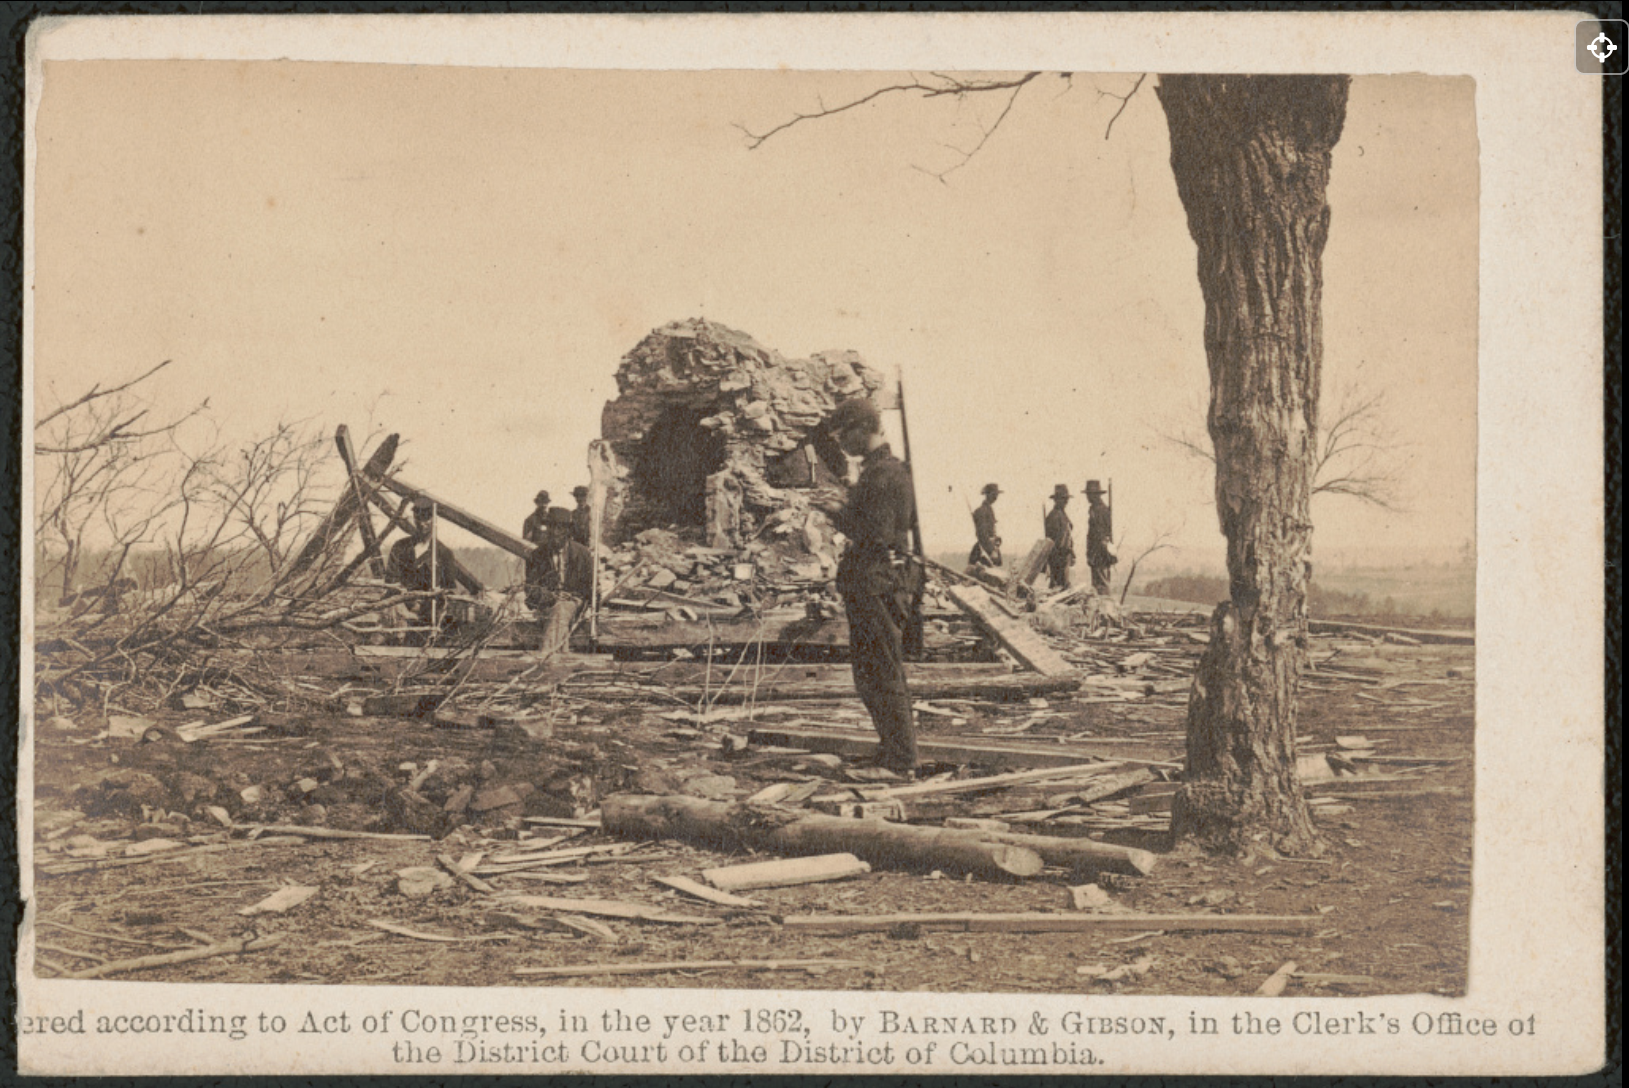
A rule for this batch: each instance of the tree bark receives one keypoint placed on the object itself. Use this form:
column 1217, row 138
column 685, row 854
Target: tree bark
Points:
column 1251, row 156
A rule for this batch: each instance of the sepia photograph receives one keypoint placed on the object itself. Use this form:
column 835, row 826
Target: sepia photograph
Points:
column 747, row 531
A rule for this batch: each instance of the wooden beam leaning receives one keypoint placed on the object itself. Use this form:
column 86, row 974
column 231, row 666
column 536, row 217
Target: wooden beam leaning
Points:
column 465, row 520
column 1016, row 637
column 397, row 520
column 364, row 520
column 339, row 518
column 1027, row 570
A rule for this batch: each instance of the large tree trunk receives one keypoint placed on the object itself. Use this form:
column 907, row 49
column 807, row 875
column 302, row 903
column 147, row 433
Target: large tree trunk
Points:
column 1251, row 157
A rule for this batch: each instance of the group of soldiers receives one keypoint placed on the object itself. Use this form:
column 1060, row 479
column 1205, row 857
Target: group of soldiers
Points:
column 1060, row 530
column 559, row 576
column 559, row 568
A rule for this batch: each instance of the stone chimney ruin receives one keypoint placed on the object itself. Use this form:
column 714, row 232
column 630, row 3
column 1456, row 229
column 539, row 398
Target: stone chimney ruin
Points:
column 714, row 432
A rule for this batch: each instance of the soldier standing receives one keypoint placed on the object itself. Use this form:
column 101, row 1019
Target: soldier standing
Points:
column 1061, row 531
column 1099, row 538
column 987, row 550
column 878, row 578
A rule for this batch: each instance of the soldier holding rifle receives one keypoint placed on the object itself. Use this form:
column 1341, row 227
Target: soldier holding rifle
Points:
column 987, row 549
column 1100, row 555
column 879, row 577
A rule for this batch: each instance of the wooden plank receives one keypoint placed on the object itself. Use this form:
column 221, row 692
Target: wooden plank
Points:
column 998, row 780
column 591, row 969
column 1037, row 922
column 1443, row 637
column 687, row 886
column 1015, row 636
column 940, row 750
column 609, row 908
column 465, row 520
column 1026, row 572
column 785, row 872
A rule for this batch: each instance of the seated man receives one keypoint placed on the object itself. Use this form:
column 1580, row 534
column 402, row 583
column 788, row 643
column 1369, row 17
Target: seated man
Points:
column 559, row 579
column 408, row 565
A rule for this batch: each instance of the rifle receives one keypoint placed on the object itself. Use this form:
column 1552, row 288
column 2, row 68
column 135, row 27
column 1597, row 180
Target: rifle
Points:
column 1111, row 509
column 913, row 640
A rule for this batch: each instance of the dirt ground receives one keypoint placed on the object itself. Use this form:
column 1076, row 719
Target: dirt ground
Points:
column 1393, row 891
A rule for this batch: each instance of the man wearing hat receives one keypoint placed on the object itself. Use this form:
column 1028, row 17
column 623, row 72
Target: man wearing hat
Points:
column 582, row 518
column 411, row 569
column 1100, row 555
column 559, row 579
column 879, row 578
column 987, row 551
column 1061, row 531
column 531, row 530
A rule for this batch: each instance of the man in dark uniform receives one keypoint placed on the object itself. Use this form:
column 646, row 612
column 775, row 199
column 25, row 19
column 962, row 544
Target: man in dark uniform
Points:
column 987, row 551
column 1099, row 539
column 582, row 518
column 411, row 569
column 1061, row 531
column 559, row 579
column 878, row 578
column 531, row 530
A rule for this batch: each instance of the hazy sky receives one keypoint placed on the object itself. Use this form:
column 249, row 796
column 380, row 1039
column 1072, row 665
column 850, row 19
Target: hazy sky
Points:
column 463, row 255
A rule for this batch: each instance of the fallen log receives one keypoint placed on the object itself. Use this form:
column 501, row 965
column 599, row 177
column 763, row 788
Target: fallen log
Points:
column 188, row 955
column 795, row 832
column 1039, row 922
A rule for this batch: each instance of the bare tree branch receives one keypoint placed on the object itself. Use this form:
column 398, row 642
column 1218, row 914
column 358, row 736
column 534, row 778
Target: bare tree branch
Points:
column 1357, row 453
column 941, row 85
column 1125, row 100
column 97, row 393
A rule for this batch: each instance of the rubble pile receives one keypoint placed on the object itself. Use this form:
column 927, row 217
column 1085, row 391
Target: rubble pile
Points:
column 713, row 431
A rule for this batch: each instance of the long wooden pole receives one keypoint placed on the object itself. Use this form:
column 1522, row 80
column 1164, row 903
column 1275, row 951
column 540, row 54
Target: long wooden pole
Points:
column 435, row 570
column 364, row 519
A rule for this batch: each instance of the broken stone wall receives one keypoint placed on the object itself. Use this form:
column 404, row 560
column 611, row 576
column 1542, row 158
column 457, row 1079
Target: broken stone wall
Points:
column 711, row 431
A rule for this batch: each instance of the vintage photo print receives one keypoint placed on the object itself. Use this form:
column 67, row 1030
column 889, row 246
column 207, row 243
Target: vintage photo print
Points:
column 930, row 544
